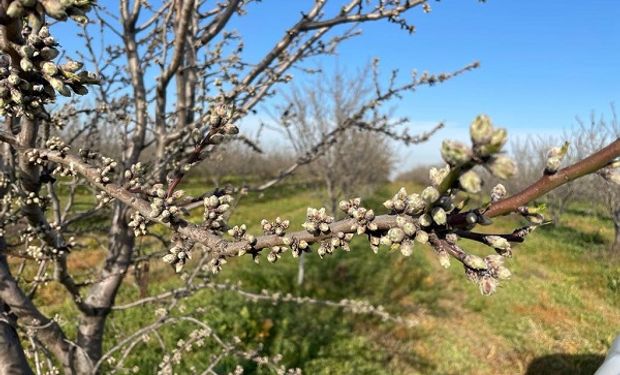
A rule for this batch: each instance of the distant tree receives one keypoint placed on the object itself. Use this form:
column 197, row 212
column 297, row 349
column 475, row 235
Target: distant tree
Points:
column 601, row 188
column 355, row 158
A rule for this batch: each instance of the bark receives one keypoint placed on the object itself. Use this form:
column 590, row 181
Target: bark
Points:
column 46, row 330
column 615, row 247
column 12, row 358
column 102, row 294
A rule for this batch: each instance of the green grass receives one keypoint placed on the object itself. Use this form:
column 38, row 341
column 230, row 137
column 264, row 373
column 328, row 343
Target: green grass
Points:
column 558, row 313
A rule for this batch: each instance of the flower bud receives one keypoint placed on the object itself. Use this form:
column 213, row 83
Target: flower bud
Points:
column 455, row 153
column 421, row 236
column 72, row 66
column 439, row 215
column 487, row 285
column 497, row 242
column 15, row 9
column 555, row 157
column 55, row 9
column 475, row 262
column 396, row 235
column 471, row 182
column 409, row 229
column 59, row 86
column 430, row 194
column 406, row 248
column 425, row 220
column 498, row 139
column 415, row 204
column 481, row 130
column 502, row 167
column 437, row 175
column 503, row 273
column 498, row 192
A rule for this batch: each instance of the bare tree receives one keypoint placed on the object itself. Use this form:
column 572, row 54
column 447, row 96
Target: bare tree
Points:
column 601, row 188
column 357, row 160
column 531, row 156
column 170, row 82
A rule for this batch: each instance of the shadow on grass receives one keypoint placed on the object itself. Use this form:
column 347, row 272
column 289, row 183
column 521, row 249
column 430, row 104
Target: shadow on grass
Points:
column 574, row 364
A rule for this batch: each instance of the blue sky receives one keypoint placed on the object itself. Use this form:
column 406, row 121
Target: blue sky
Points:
column 542, row 62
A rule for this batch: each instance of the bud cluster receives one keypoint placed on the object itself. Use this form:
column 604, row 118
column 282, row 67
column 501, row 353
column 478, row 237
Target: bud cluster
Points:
column 163, row 208
column 135, row 175
column 58, row 9
column 317, row 221
column 277, row 227
column 138, row 223
column 486, row 272
column 219, row 123
column 24, row 89
column 413, row 204
column 239, row 233
column 35, row 157
column 108, row 167
column 363, row 216
column 500, row 244
column 402, row 236
column 179, row 253
column 57, row 144
column 486, row 138
column 215, row 210
column 296, row 245
column 103, row 198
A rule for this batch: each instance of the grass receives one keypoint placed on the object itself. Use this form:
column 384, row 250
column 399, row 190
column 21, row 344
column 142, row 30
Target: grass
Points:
column 558, row 313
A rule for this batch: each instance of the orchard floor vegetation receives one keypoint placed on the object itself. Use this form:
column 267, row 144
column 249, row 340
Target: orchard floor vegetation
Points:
column 558, row 313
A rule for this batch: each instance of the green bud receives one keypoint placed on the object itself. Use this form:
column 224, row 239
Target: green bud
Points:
column 425, row 220
column 481, row 130
column 475, row 262
column 15, row 9
column 55, row 9
column 498, row 139
column 28, row 3
column 471, row 182
column 430, row 194
column 26, row 65
column 503, row 273
column 396, row 235
column 421, row 236
column 406, row 248
column 415, row 204
column 455, row 153
column 49, row 68
column 487, row 285
column 555, row 157
column 502, row 167
column 72, row 66
column 49, row 53
column 439, row 215
column 497, row 242
column 409, row 229
column 438, row 175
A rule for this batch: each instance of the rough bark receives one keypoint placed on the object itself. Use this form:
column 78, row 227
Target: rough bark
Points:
column 615, row 247
column 102, row 294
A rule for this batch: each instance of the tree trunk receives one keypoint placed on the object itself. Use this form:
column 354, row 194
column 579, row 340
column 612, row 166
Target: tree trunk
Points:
column 12, row 358
column 615, row 247
column 102, row 294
